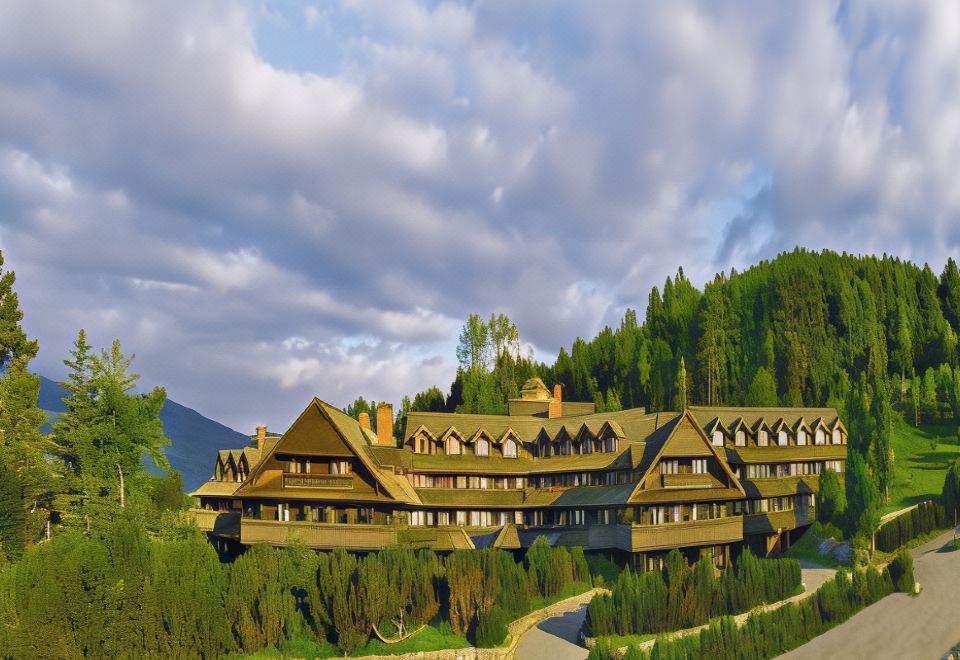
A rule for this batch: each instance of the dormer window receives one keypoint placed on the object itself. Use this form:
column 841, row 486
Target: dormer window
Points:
column 782, row 438
column 836, row 439
column 453, row 446
column 718, row 438
column 565, row 446
column 509, row 449
column 741, row 439
column 820, row 438
column 611, row 443
column 801, row 437
column 482, row 447
column 763, row 438
column 587, row 446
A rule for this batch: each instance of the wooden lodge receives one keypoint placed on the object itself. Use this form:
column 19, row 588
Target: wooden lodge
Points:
column 628, row 482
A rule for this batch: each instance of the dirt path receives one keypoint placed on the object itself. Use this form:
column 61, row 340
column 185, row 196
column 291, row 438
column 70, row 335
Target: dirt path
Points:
column 901, row 626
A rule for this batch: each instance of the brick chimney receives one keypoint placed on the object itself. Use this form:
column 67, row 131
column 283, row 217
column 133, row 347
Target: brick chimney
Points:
column 385, row 425
column 261, row 436
column 364, row 419
column 555, row 407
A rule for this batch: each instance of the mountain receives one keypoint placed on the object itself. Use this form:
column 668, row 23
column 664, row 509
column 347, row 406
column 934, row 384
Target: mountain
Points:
column 194, row 438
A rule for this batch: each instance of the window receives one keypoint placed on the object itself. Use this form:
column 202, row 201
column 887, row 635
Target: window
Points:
column 565, row 446
column 453, row 446
column 340, row 467
column 782, row 438
column 443, row 518
column 509, row 449
column 718, row 438
column 283, row 512
column 741, row 439
column 835, row 437
column 820, row 438
column 801, row 437
column 422, row 445
column 699, row 466
column 668, row 466
column 587, row 446
column 763, row 438
column 611, row 443
column 482, row 448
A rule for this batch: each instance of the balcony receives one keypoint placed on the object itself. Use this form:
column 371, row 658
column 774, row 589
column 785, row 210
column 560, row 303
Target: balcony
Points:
column 224, row 523
column 687, row 480
column 691, row 533
column 323, row 536
column 774, row 521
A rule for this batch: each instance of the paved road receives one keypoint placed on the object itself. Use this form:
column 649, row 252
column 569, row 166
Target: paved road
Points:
column 554, row 639
column 901, row 626
column 557, row 638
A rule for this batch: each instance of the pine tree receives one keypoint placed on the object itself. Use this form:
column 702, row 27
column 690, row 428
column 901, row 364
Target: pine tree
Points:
column 763, row 390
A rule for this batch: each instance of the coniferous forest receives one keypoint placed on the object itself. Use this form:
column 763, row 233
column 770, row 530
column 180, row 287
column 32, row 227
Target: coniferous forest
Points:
column 98, row 558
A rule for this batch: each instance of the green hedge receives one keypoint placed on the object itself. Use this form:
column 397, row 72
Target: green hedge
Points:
column 901, row 571
column 769, row 634
column 927, row 517
column 681, row 596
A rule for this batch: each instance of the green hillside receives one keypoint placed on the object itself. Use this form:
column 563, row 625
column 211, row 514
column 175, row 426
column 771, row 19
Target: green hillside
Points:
column 922, row 456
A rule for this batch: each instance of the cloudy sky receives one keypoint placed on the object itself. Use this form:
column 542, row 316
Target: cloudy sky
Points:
column 270, row 200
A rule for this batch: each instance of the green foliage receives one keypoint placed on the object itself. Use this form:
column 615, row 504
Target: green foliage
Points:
column 772, row 633
column 901, row 572
column 928, row 516
column 863, row 496
column 681, row 597
column 950, row 495
column 763, row 389
column 12, row 515
column 832, row 499
column 491, row 628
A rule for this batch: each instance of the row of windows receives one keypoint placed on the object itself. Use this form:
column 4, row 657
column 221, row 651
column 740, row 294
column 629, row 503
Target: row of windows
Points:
column 659, row 515
column 766, row 470
column 466, row 481
column 773, row 504
column 683, row 466
column 306, row 466
column 608, row 478
column 568, row 447
column 464, row 518
column 453, row 446
column 781, row 438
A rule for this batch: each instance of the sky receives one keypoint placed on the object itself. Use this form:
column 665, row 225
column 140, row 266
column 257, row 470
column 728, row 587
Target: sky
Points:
column 267, row 201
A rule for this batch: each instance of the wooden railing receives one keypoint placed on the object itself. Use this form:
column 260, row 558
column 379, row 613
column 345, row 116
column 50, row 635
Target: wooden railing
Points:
column 691, row 533
column 773, row 521
column 218, row 522
column 687, row 481
column 317, row 535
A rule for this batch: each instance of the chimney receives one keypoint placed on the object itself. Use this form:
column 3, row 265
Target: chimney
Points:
column 364, row 419
column 261, row 436
column 555, row 407
column 385, row 425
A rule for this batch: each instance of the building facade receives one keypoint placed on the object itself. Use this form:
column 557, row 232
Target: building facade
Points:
column 627, row 482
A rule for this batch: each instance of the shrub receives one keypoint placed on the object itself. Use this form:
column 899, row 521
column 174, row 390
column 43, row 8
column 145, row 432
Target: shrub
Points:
column 901, row 572
column 925, row 518
column 491, row 628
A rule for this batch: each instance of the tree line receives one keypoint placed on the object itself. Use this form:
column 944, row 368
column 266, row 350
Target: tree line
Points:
column 119, row 590
column 768, row 634
column 683, row 596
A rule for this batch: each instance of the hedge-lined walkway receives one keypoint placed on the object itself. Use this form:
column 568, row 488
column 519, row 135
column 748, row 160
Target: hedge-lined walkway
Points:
column 901, row 626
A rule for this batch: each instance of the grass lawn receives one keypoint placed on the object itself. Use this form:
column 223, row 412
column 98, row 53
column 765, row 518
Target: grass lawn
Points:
column 806, row 547
column 920, row 467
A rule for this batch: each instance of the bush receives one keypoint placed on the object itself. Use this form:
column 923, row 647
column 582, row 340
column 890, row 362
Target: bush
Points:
column 491, row 628
column 769, row 634
column 901, row 572
column 927, row 517
column 681, row 597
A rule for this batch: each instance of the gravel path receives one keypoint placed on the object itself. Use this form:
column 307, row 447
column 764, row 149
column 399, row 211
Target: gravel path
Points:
column 902, row 626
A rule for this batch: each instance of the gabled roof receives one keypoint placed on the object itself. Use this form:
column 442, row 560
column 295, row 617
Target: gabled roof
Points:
column 685, row 432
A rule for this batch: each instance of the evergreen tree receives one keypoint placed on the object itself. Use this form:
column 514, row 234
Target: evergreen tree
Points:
column 763, row 390
column 863, row 497
column 831, row 500
column 680, row 388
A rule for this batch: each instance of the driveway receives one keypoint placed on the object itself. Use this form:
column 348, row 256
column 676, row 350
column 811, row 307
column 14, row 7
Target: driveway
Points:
column 557, row 638
column 554, row 639
column 902, row 626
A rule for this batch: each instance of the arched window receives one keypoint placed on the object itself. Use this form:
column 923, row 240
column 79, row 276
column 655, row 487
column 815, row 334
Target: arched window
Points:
column 782, row 438
column 836, row 439
column 820, row 438
column 741, row 438
column 763, row 438
column 509, row 448
column 453, row 446
column 482, row 447
column 801, row 437
column 718, row 438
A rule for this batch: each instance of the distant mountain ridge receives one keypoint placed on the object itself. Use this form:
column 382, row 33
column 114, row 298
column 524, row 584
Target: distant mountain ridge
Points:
column 194, row 438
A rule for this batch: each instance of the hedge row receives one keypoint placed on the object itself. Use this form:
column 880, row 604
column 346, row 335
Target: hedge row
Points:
column 769, row 634
column 681, row 597
column 927, row 517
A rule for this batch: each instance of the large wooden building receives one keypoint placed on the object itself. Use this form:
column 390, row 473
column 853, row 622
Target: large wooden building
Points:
column 629, row 482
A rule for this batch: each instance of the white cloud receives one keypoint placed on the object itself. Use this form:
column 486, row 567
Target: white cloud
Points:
column 259, row 234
